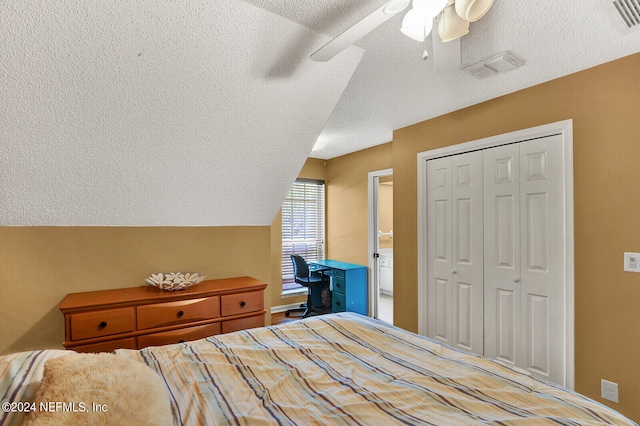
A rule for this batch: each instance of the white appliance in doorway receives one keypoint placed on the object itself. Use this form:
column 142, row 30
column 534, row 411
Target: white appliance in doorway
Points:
column 385, row 272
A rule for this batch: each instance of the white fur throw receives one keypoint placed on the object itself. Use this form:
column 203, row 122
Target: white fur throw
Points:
column 100, row 389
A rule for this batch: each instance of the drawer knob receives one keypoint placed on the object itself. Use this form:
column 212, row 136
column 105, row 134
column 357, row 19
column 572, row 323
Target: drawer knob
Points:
column 102, row 325
column 180, row 313
column 243, row 304
column 337, row 303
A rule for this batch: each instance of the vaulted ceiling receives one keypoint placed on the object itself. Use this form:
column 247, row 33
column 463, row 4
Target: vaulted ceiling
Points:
column 393, row 87
column 156, row 113
column 201, row 113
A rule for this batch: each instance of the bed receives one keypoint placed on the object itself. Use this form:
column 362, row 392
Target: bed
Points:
column 333, row 369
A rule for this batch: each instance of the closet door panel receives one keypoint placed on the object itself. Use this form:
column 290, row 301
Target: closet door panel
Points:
column 439, row 261
column 504, row 320
column 463, row 321
column 543, row 271
column 538, row 327
column 441, row 307
column 467, row 248
column 504, row 230
column 501, row 178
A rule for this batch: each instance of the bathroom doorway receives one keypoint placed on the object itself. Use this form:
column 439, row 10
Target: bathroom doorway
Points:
column 381, row 244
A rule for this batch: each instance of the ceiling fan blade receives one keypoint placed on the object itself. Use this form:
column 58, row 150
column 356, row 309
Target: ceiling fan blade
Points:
column 446, row 56
column 360, row 29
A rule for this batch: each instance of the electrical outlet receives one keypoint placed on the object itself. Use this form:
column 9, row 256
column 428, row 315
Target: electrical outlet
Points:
column 609, row 390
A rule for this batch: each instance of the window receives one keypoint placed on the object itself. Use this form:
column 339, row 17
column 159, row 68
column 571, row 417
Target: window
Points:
column 302, row 226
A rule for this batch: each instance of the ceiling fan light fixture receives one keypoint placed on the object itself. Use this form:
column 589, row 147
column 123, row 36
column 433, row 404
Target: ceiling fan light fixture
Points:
column 415, row 25
column 451, row 26
column 472, row 10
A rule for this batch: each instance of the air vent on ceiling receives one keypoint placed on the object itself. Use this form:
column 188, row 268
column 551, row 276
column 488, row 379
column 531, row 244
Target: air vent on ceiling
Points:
column 625, row 14
column 501, row 62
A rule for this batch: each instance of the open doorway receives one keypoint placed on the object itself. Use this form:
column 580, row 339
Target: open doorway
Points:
column 381, row 244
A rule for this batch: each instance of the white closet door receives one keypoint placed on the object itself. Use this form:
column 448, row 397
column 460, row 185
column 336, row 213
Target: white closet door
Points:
column 502, row 253
column 524, row 266
column 542, row 303
column 467, row 251
column 439, row 263
column 455, row 248
column 497, row 282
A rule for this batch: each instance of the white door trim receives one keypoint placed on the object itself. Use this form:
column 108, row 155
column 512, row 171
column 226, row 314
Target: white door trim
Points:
column 372, row 198
column 564, row 128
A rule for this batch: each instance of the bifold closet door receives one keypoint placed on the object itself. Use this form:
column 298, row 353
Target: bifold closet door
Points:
column 502, row 252
column 524, row 263
column 455, row 251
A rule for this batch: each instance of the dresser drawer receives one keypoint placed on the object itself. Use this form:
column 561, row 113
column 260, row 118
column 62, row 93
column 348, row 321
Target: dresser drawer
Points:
column 339, row 285
column 178, row 336
column 243, row 323
column 338, row 302
column 109, row 346
column 337, row 273
column 234, row 304
column 169, row 313
column 101, row 323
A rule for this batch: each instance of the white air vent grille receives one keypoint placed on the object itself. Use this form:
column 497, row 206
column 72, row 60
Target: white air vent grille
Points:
column 501, row 62
column 625, row 14
column 629, row 11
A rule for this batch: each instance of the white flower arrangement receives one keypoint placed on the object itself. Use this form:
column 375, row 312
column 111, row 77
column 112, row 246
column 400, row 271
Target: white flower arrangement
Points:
column 174, row 280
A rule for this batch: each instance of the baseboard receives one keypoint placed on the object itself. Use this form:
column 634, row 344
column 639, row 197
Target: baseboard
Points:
column 294, row 292
column 283, row 308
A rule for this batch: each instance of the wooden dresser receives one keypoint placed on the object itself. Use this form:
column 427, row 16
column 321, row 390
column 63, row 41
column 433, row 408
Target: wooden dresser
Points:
column 133, row 318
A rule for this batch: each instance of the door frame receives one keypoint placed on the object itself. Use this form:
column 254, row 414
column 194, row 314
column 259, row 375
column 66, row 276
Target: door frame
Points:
column 563, row 128
column 373, row 179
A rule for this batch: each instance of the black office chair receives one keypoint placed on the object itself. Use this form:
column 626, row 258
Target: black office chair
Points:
column 303, row 277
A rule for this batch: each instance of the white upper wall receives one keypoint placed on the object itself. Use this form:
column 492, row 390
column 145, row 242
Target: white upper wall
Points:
column 156, row 113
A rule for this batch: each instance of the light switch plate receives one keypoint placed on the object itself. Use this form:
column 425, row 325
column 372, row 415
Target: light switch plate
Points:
column 632, row 262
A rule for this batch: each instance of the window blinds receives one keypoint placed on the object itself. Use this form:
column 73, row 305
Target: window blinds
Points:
column 302, row 226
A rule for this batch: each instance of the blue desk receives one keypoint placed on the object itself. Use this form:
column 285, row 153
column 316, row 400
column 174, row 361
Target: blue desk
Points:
column 349, row 285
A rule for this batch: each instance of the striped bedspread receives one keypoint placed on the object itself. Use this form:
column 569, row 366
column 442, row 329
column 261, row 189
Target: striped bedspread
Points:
column 353, row 370
column 20, row 376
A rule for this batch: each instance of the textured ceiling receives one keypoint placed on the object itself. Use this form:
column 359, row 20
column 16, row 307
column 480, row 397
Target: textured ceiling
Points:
column 393, row 87
column 156, row 113
column 166, row 113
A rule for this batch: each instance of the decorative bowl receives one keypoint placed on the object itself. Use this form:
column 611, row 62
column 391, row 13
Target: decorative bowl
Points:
column 174, row 280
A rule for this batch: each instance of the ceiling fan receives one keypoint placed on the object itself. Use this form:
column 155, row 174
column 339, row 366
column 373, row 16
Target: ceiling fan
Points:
column 451, row 18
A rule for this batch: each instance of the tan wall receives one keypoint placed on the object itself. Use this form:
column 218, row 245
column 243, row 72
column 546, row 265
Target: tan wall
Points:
column 312, row 169
column 604, row 107
column 347, row 204
column 40, row 265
